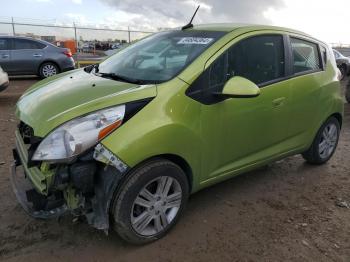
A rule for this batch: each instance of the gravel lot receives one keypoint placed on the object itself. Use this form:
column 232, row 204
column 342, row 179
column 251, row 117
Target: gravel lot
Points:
column 286, row 211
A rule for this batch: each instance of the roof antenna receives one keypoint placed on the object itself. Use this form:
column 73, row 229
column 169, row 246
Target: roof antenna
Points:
column 190, row 25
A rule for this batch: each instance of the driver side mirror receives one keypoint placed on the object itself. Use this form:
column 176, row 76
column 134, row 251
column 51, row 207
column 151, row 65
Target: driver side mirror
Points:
column 240, row 87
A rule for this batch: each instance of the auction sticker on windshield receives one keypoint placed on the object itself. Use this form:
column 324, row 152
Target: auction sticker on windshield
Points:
column 195, row 40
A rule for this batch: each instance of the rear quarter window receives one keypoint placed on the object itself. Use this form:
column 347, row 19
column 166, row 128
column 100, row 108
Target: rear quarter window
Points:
column 324, row 56
column 305, row 56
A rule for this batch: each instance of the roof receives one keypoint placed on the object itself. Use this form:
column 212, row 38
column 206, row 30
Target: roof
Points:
column 228, row 27
column 28, row 38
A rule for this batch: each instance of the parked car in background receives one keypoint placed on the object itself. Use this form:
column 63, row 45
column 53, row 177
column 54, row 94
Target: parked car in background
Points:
column 171, row 115
column 4, row 80
column 343, row 63
column 116, row 46
column 28, row 56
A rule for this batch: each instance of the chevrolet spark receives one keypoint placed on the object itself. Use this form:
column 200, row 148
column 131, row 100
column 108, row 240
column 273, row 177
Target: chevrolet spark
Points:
column 124, row 143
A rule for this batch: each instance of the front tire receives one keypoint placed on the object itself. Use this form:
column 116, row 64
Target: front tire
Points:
column 324, row 144
column 150, row 202
column 48, row 69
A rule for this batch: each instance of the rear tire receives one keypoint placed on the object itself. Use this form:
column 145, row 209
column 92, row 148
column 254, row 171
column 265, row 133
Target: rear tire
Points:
column 347, row 92
column 343, row 70
column 48, row 69
column 150, row 201
column 324, row 144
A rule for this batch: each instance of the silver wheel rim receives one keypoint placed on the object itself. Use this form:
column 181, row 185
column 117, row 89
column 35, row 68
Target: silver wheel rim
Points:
column 156, row 206
column 49, row 70
column 328, row 140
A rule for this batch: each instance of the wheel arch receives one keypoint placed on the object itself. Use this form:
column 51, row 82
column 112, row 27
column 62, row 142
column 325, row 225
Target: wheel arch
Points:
column 176, row 159
column 182, row 163
column 339, row 117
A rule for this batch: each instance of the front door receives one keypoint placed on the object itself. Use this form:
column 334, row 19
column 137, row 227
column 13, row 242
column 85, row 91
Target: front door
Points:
column 239, row 132
column 5, row 54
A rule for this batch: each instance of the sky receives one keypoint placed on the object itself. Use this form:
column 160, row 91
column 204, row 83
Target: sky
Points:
column 327, row 20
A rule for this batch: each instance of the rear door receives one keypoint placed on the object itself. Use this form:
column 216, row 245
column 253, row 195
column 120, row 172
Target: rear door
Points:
column 27, row 55
column 5, row 53
column 307, row 75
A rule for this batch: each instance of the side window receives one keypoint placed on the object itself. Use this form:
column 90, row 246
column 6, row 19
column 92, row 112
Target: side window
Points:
column 211, row 81
column 218, row 74
column 259, row 59
column 27, row 44
column 324, row 55
column 305, row 56
column 4, row 44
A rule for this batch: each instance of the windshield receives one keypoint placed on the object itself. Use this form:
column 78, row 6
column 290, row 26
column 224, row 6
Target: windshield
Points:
column 160, row 57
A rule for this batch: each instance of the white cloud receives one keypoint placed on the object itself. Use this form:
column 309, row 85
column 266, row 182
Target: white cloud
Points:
column 77, row 18
column 327, row 21
column 42, row 1
column 79, row 2
column 169, row 13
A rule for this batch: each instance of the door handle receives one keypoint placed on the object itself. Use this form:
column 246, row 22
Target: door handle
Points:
column 5, row 56
column 278, row 101
column 37, row 55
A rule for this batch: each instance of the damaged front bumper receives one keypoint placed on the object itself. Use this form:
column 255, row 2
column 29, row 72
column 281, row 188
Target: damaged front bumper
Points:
column 26, row 194
column 85, row 187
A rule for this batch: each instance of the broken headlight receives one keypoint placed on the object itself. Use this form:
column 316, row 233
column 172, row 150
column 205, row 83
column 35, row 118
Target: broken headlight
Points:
column 78, row 135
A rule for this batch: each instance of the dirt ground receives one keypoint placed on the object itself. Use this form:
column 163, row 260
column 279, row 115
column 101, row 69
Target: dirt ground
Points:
column 288, row 211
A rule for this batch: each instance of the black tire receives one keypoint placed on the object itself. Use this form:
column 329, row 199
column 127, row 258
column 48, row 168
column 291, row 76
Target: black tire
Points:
column 48, row 69
column 343, row 71
column 347, row 92
column 313, row 155
column 123, row 204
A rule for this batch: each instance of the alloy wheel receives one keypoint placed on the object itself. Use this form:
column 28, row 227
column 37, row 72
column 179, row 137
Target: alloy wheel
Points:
column 328, row 141
column 49, row 70
column 156, row 206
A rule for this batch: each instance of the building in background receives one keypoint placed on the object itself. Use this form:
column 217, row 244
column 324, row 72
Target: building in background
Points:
column 48, row 38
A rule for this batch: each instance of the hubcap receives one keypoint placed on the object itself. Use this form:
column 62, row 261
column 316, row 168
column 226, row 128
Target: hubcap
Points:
column 49, row 70
column 156, row 206
column 328, row 141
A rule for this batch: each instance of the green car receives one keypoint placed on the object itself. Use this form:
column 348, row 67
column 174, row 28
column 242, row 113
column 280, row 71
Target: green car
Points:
column 125, row 143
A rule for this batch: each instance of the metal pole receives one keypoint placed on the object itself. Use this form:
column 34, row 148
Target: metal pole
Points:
column 13, row 27
column 76, row 44
column 129, row 34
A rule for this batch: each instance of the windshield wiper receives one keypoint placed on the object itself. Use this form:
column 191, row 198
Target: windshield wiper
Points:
column 91, row 67
column 120, row 78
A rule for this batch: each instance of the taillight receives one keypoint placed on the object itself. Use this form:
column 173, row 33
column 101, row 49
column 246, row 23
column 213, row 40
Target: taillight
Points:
column 68, row 53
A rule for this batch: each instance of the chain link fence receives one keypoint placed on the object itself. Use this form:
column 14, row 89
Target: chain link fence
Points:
column 88, row 44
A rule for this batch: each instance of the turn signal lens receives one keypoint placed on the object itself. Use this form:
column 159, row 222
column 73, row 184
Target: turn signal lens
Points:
column 108, row 129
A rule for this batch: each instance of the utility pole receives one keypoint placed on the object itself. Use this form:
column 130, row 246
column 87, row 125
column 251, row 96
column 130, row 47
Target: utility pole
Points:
column 129, row 34
column 76, row 44
column 13, row 27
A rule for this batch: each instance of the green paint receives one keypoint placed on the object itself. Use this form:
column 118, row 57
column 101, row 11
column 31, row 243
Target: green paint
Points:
column 217, row 141
column 71, row 197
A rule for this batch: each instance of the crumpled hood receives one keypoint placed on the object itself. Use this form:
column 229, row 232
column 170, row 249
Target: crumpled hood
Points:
column 58, row 99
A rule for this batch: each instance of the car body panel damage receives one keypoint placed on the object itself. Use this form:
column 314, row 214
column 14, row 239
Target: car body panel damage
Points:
column 84, row 187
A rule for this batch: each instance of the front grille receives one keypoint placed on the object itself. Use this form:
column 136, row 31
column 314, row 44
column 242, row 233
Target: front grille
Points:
column 26, row 132
column 32, row 142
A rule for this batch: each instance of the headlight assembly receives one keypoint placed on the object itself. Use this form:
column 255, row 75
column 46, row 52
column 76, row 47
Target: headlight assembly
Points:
column 78, row 135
